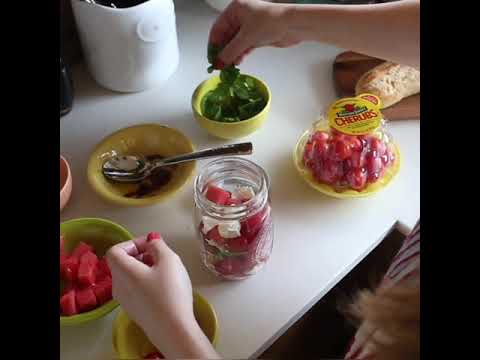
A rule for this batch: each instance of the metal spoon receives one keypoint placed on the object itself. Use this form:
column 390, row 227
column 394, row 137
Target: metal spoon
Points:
column 132, row 169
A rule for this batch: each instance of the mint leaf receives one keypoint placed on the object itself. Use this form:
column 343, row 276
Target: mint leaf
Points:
column 241, row 89
column 235, row 98
column 212, row 52
column 229, row 74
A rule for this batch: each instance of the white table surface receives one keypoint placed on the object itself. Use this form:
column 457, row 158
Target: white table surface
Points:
column 318, row 240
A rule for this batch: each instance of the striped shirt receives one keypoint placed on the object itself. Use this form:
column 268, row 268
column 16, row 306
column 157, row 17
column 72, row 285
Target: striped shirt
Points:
column 405, row 267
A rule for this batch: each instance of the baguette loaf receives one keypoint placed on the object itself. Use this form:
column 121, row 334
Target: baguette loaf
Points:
column 390, row 82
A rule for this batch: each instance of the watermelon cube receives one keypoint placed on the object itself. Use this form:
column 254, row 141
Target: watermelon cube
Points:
column 234, row 202
column 87, row 269
column 68, row 287
column 63, row 258
column 86, row 274
column 153, row 236
column 68, row 305
column 214, row 235
column 102, row 270
column 217, row 195
column 81, row 249
column 89, row 257
column 70, row 269
column 252, row 225
column 154, row 355
column 86, row 299
column 103, row 290
column 238, row 244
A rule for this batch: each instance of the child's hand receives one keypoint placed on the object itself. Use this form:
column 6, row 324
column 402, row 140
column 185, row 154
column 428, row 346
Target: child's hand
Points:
column 153, row 287
column 248, row 24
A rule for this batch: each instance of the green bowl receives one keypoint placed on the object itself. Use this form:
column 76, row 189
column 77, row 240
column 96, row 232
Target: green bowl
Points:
column 101, row 234
column 234, row 130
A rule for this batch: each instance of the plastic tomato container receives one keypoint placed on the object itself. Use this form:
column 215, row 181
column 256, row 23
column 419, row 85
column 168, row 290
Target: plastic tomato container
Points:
column 349, row 151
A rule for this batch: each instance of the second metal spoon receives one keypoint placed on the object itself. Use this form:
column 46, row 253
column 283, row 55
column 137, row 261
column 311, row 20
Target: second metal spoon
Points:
column 132, row 169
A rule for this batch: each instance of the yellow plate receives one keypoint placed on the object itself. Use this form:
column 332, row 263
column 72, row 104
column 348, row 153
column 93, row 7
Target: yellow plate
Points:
column 306, row 174
column 229, row 130
column 130, row 342
column 145, row 139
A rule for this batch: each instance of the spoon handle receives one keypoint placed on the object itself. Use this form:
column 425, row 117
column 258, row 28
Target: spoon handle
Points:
column 233, row 149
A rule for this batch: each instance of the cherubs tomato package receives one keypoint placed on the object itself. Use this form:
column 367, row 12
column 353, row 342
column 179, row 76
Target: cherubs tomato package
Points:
column 349, row 151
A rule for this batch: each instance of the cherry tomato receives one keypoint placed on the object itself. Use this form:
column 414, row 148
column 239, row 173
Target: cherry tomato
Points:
column 342, row 149
column 332, row 171
column 308, row 154
column 373, row 164
column 357, row 179
column 321, row 150
column 355, row 143
column 320, row 136
column 358, row 159
column 377, row 146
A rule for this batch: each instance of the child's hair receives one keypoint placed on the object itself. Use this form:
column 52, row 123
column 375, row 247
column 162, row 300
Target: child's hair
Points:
column 395, row 312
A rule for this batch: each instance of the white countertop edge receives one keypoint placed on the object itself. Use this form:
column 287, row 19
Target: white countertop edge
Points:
column 320, row 295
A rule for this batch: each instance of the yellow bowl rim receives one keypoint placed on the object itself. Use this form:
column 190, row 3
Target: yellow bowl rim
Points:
column 120, row 200
column 197, row 112
column 108, row 306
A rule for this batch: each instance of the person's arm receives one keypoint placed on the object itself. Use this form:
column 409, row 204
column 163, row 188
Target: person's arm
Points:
column 186, row 342
column 390, row 31
column 153, row 287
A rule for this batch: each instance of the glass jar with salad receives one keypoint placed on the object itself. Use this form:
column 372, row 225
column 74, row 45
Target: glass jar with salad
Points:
column 233, row 217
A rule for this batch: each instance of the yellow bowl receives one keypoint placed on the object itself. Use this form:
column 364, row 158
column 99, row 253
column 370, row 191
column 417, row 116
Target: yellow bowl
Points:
column 229, row 130
column 307, row 175
column 130, row 342
column 145, row 139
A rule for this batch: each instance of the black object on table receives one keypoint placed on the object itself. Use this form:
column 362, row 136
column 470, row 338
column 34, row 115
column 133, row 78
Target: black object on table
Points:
column 66, row 89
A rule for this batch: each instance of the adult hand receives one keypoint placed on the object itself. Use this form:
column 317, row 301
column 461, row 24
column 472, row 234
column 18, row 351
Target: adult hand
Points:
column 248, row 24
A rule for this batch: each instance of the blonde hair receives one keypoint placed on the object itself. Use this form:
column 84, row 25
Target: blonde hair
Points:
column 395, row 313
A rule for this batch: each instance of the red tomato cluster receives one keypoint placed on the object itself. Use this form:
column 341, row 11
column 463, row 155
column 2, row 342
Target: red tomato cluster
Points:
column 345, row 161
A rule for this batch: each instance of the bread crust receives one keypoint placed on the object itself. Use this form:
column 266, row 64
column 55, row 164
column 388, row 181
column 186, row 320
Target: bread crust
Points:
column 390, row 82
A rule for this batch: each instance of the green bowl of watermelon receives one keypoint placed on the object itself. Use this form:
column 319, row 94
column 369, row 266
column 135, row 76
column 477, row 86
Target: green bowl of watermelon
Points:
column 85, row 279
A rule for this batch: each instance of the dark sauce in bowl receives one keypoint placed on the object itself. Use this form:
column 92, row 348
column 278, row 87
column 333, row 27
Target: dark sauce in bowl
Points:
column 157, row 179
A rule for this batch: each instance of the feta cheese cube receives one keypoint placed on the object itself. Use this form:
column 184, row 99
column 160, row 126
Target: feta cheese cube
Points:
column 208, row 224
column 229, row 229
column 243, row 192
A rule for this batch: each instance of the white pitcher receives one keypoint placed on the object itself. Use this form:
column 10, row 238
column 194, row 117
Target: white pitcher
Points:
column 128, row 49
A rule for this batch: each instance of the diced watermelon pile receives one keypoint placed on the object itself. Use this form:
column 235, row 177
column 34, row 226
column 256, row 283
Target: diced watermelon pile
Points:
column 87, row 280
column 345, row 161
column 154, row 355
column 233, row 256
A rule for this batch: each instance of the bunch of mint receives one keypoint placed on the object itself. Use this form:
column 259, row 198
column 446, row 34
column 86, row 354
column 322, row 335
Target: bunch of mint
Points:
column 236, row 97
